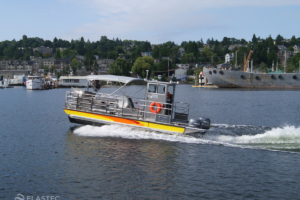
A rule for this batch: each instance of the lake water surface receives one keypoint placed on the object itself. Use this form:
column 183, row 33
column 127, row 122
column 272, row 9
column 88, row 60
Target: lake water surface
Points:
column 252, row 152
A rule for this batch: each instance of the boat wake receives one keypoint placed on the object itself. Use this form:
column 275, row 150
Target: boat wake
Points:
column 285, row 138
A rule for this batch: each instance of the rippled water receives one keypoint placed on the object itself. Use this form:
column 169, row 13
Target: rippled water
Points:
column 252, row 152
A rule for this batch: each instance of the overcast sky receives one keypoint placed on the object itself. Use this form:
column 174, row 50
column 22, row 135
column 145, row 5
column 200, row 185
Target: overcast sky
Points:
column 152, row 20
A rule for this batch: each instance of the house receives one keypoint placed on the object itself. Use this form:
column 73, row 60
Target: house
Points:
column 146, row 54
column 80, row 57
column 281, row 50
column 60, row 63
column 183, row 66
column 62, row 48
column 156, row 60
column 181, row 51
column 104, row 65
column 231, row 47
column 180, row 74
column 229, row 57
column 43, row 50
column 296, row 49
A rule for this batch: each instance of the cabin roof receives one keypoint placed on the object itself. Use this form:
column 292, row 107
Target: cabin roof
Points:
column 114, row 78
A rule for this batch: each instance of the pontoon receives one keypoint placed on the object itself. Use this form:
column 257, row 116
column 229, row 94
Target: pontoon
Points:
column 156, row 111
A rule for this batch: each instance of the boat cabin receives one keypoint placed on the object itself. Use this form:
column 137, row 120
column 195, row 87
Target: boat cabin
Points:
column 158, row 105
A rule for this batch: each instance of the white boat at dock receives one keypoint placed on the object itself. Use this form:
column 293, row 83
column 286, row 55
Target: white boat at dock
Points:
column 72, row 81
column 35, row 82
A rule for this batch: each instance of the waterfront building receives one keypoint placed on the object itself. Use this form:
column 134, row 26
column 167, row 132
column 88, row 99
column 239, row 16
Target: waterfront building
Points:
column 43, row 50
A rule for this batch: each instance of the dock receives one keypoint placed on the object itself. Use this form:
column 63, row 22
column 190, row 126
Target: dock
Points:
column 206, row 86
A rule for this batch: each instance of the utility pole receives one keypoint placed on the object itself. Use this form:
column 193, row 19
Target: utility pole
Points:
column 168, row 70
column 236, row 58
column 285, row 62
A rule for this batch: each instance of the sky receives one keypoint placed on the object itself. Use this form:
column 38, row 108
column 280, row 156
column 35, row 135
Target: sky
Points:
column 156, row 21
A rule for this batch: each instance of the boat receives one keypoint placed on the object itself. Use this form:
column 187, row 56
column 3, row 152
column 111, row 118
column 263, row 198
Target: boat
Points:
column 156, row 111
column 18, row 80
column 244, row 79
column 35, row 82
column 72, row 81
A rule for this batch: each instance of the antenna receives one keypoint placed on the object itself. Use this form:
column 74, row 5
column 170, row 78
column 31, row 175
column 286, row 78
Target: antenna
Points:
column 147, row 73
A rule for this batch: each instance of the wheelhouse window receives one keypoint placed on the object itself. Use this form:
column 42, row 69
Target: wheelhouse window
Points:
column 161, row 89
column 152, row 88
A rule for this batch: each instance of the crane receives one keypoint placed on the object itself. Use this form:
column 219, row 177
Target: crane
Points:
column 246, row 61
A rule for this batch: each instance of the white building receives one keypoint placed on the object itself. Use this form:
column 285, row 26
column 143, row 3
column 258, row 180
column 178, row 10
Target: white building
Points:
column 229, row 57
column 183, row 66
column 180, row 74
column 296, row 49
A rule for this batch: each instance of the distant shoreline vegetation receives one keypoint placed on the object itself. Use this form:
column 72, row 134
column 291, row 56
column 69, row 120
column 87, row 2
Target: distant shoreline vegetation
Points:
column 126, row 54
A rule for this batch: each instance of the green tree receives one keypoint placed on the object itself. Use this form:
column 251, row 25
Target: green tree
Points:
column 188, row 58
column 279, row 40
column 142, row 64
column 163, row 65
column 75, row 65
column 89, row 60
column 254, row 39
column 146, row 47
column 263, row 67
column 57, row 54
column 206, row 55
column 120, row 67
column 69, row 53
column 296, row 59
column 112, row 55
column 155, row 52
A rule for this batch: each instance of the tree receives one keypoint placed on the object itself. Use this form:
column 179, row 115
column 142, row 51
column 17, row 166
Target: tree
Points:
column 57, row 54
column 146, row 47
column 163, row 65
column 279, row 39
column 272, row 57
column 112, row 55
column 142, row 64
column 120, row 67
column 89, row 60
column 296, row 59
column 75, row 65
column 69, row 53
column 155, row 52
column 206, row 55
column 188, row 58
column 254, row 39
column 46, row 55
column 263, row 67
column 120, row 50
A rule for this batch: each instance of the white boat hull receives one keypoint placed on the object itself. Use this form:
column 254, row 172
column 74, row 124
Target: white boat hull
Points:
column 34, row 84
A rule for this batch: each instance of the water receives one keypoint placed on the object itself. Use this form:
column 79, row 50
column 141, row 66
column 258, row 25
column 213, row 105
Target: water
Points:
column 253, row 151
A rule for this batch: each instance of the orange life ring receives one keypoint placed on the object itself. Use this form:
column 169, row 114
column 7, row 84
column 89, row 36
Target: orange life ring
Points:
column 157, row 105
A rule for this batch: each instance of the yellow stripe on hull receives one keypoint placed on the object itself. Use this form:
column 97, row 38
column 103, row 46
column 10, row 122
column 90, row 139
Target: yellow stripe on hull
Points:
column 166, row 127
column 131, row 122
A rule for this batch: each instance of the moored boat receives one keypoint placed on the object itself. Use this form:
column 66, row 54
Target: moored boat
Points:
column 242, row 79
column 72, row 81
column 157, row 111
column 35, row 82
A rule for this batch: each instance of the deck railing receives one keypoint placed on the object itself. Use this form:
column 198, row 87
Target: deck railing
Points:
column 114, row 105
